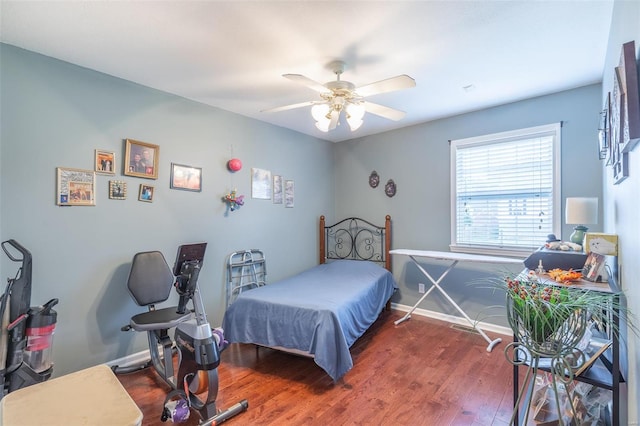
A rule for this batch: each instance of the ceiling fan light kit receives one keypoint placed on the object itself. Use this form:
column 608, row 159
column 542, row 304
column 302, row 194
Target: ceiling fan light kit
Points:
column 339, row 95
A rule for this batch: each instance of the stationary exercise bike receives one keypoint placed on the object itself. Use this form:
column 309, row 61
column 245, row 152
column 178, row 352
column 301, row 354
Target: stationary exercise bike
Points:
column 198, row 346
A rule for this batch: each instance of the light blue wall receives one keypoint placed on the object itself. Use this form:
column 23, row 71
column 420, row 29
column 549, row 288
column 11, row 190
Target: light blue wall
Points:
column 417, row 159
column 55, row 114
column 621, row 201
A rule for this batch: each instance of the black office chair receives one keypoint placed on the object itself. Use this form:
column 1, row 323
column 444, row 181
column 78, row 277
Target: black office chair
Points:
column 150, row 282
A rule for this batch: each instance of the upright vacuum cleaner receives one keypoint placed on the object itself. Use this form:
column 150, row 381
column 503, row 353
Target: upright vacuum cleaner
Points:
column 26, row 333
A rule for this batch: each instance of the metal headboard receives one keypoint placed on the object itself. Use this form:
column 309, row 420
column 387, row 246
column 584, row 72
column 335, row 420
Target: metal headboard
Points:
column 356, row 239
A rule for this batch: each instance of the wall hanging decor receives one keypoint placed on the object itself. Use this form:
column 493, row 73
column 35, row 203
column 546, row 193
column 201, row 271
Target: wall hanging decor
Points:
column 234, row 164
column 186, row 178
column 603, row 131
column 390, row 188
column 146, row 193
column 277, row 189
column 233, row 200
column 75, row 187
column 619, row 158
column 105, row 162
column 289, row 187
column 260, row 184
column 117, row 190
column 374, row 179
column 141, row 159
column 630, row 100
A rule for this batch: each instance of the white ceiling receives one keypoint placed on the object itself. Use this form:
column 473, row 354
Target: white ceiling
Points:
column 232, row 54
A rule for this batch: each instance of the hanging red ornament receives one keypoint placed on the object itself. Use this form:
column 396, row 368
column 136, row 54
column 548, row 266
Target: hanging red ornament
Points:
column 234, row 164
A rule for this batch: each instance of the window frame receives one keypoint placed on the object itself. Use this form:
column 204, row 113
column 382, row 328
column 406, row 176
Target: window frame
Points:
column 555, row 130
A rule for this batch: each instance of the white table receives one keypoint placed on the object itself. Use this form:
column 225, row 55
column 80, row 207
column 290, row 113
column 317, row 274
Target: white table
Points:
column 93, row 396
column 453, row 258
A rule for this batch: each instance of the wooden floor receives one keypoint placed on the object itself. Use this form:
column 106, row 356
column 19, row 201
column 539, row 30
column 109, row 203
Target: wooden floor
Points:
column 421, row 372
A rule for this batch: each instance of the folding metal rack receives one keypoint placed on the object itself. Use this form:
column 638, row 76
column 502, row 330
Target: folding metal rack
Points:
column 246, row 269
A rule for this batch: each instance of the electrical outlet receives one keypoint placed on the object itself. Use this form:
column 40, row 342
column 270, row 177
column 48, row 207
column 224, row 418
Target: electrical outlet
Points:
column 421, row 288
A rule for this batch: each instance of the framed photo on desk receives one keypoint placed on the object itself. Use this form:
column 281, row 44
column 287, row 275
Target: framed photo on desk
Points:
column 593, row 269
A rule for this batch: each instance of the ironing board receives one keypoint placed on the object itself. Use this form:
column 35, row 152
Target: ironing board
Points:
column 453, row 258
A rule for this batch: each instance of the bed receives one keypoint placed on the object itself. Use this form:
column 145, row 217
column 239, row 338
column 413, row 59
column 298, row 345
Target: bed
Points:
column 322, row 311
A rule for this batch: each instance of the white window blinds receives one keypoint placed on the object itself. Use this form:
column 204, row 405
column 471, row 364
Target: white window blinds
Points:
column 505, row 190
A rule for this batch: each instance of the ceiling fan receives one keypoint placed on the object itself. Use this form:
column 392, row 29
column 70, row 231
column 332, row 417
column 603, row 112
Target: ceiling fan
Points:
column 339, row 95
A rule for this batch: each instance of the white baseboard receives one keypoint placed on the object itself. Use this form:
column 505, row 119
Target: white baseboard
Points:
column 138, row 358
column 453, row 319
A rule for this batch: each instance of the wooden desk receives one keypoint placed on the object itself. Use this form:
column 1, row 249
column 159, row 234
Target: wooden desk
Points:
column 453, row 259
column 581, row 284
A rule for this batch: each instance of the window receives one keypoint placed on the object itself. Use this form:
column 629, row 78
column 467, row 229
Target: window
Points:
column 505, row 191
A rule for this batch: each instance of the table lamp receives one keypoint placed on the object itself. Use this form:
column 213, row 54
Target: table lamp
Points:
column 580, row 211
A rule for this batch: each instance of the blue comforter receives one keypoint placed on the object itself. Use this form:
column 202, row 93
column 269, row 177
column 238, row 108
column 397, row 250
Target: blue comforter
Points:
column 321, row 311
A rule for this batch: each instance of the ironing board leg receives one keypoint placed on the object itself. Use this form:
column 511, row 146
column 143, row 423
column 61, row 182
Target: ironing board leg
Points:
column 436, row 284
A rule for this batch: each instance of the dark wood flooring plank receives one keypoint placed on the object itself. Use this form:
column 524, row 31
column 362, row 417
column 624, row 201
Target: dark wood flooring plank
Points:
column 421, row 372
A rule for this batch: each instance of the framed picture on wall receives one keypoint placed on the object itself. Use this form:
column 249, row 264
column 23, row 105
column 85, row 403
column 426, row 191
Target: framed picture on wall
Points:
column 260, row 183
column 289, row 193
column 105, row 162
column 141, row 159
column 75, row 187
column 628, row 75
column 277, row 189
column 603, row 131
column 146, row 193
column 609, row 134
column 117, row 190
column 619, row 158
column 186, row 178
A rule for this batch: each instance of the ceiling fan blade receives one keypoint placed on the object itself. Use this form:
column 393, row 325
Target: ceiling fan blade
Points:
column 335, row 115
column 383, row 111
column 389, row 85
column 305, row 81
column 287, row 107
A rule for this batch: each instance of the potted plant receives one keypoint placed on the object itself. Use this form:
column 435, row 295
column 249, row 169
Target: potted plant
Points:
column 550, row 320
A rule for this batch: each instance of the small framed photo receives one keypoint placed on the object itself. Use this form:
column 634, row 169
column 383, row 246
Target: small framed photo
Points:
column 75, row 187
column 289, row 190
column 593, row 269
column 141, row 159
column 186, row 178
column 146, row 193
column 277, row 189
column 117, row 190
column 105, row 162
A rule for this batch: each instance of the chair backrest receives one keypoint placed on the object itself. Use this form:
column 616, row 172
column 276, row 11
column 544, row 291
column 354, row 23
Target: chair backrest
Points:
column 150, row 279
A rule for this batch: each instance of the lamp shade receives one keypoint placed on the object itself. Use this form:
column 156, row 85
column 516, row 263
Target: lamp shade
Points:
column 319, row 112
column 356, row 111
column 354, row 124
column 581, row 210
column 323, row 125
